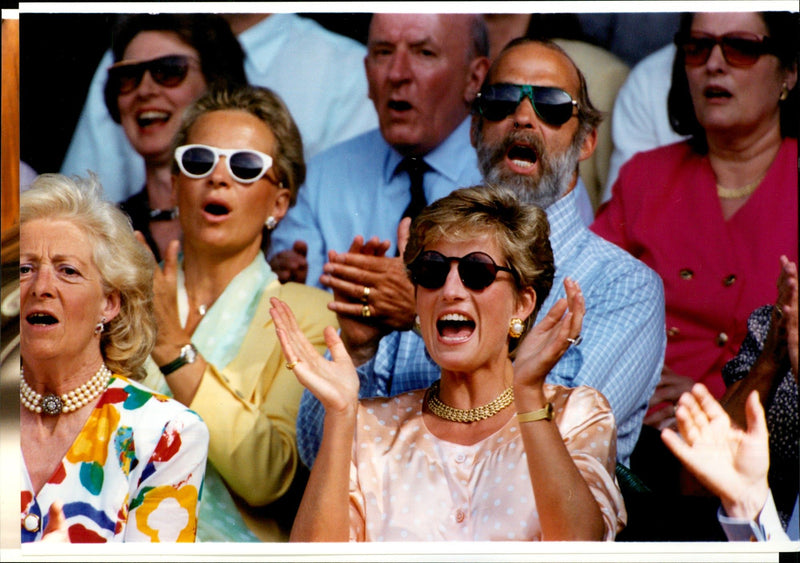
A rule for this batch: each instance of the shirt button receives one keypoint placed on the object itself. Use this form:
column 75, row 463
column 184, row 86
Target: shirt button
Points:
column 673, row 331
column 729, row 280
column 460, row 516
column 460, row 458
column 31, row 523
column 686, row 274
column 722, row 339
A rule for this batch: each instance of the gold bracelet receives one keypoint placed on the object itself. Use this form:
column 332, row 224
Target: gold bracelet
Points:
column 545, row 413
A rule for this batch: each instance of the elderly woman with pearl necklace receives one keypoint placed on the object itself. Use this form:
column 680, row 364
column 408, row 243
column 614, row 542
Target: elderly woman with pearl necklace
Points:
column 103, row 457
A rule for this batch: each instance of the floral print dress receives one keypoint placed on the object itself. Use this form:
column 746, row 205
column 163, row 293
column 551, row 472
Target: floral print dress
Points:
column 134, row 473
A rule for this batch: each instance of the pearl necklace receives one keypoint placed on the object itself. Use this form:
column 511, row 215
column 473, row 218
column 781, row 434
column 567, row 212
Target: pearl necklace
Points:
column 68, row 402
column 447, row 412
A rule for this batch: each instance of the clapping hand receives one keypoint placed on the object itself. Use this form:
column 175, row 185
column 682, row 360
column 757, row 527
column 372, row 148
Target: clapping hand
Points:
column 732, row 463
column 333, row 382
column 551, row 337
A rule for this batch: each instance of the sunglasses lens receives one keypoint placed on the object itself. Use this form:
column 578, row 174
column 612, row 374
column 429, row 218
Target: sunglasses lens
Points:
column 740, row 51
column 429, row 270
column 553, row 105
column 247, row 166
column 499, row 101
column 169, row 71
column 477, row 271
column 126, row 78
column 197, row 161
column 696, row 50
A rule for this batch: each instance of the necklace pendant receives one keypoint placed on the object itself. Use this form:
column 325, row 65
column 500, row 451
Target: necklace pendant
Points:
column 202, row 310
column 52, row 404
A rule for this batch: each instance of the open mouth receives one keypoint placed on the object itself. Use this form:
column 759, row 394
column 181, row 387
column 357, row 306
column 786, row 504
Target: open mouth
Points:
column 399, row 105
column 216, row 209
column 147, row 118
column 714, row 92
column 522, row 155
column 41, row 319
column 455, row 327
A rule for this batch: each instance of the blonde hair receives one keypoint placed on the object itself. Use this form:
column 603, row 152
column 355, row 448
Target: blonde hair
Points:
column 124, row 264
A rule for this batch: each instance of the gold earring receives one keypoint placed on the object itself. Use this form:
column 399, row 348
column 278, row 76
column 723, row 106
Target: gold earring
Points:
column 515, row 328
column 784, row 92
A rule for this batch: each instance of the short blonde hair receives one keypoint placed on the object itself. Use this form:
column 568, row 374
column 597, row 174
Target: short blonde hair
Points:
column 124, row 264
column 521, row 230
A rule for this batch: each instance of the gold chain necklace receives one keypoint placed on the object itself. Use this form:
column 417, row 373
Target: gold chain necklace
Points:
column 734, row 193
column 447, row 412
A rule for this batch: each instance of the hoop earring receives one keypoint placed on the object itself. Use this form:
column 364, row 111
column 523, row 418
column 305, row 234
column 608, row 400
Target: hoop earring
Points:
column 515, row 327
column 100, row 327
column 270, row 223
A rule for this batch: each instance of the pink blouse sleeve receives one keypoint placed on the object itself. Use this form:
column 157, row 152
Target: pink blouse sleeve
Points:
column 588, row 429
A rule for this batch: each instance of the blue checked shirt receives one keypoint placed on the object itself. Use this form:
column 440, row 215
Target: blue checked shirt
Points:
column 623, row 336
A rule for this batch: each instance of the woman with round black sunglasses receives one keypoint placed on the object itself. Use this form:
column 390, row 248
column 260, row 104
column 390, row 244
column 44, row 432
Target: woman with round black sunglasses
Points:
column 490, row 451
column 163, row 63
column 713, row 215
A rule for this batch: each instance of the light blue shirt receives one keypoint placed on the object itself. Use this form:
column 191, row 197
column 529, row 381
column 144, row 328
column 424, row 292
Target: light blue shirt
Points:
column 354, row 189
column 623, row 336
column 766, row 527
column 318, row 74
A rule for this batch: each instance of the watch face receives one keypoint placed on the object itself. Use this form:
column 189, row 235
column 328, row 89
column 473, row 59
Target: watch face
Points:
column 189, row 353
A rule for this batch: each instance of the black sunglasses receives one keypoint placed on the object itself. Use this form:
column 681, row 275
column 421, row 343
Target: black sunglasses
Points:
column 169, row 71
column 553, row 105
column 738, row 48
column 477, row 270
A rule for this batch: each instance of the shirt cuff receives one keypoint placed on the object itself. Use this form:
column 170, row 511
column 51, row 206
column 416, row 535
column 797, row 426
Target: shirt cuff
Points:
column 767, row 526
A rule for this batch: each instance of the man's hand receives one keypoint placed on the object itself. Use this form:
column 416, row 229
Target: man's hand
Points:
column 291, row 265
column 669, row 389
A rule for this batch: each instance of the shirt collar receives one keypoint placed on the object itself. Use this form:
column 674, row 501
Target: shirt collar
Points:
column 566, row 226
column 446, row 159
column 266, row 38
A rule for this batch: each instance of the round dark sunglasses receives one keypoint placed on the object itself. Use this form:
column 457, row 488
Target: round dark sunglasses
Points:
column 244, row 165
column 477, row 270
column 169, row 71
column 553, row 105
column 739, row 48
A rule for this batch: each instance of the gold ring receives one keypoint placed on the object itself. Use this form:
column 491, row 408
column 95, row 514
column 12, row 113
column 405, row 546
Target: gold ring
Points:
column 291, row 365
column 365, row 311
column 365, row 296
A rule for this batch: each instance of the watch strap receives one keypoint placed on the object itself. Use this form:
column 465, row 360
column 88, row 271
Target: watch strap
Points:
column 545, row 413
column 187, row 356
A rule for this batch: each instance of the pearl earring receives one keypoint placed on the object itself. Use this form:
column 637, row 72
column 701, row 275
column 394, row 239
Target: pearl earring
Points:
column 271, row 223
column 100, row 327
column 515, row 328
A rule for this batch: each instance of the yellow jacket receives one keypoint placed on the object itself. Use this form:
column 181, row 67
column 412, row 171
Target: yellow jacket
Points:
column 251, row 405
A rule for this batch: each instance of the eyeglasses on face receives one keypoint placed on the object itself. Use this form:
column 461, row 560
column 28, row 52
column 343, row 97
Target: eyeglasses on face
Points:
column 169, row 71
column 553, row 105
column 244, row 165
column 477, row 270
column 739, row 48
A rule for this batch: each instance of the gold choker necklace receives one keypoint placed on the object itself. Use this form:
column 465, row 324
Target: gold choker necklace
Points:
column 735, row 193
column 446, row 412
column 53, row 404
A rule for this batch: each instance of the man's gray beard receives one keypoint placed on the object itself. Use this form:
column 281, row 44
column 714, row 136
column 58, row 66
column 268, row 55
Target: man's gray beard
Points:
column 549, row 187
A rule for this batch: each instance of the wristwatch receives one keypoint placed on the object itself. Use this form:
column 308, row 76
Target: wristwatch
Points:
column 545, row 413
column 188, row 355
